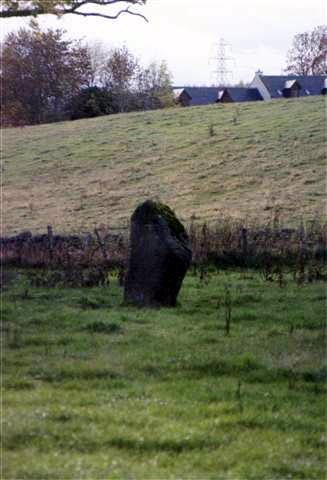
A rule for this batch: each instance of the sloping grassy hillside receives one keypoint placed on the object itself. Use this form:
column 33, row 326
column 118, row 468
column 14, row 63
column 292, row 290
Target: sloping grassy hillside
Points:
column 240, row 160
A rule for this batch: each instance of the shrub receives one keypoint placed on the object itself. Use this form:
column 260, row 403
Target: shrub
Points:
column 92, row 102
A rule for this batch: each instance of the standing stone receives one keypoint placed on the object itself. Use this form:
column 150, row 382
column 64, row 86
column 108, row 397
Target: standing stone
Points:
column 160, row 254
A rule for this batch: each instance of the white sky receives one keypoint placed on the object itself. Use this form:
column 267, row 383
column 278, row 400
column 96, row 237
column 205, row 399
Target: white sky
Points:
column 184, row 33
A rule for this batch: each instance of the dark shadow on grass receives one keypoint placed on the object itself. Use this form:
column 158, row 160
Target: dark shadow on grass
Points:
column 40, row 297
column 37, row 341
column 88, row 303
column 83, row 444
column 62, row 417
column 247, row 299
column 250, row 371
column 31, row 474
column 19, row 385
column 168, row 445
column 62, row 375
column 99, row 384
column 286, row 471
column 311, row 325
column 103, row 327
column 285, row 424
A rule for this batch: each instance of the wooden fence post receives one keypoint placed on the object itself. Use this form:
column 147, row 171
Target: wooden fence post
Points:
column 50, row 237
column 102, row 245
column 244, row 246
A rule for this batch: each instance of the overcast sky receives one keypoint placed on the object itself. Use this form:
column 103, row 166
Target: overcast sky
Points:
column 184, row 33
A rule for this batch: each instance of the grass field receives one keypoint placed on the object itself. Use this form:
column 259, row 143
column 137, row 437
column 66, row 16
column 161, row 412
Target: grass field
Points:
column 240, row 160
column 98, row 390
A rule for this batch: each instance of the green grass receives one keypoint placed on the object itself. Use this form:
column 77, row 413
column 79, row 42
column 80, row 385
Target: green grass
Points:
column 95, row 389
column 78, row 174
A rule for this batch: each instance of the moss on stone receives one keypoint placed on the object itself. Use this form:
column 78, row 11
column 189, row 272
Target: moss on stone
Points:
column 168, row 214
column 150, row 209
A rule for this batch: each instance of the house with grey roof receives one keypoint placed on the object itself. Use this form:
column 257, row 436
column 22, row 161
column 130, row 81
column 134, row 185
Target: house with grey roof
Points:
column 191, row 96
column 289, row 86
column 262, row 87
column 238, row 94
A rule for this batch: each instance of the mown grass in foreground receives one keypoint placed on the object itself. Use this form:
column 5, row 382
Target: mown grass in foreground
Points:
column 99, row 390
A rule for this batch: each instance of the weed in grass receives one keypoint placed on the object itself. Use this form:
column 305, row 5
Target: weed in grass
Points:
column 228, row 309
column 292, row 377
column 211, row 131
column 62, row 417
column 89, row 303
column 14, row 338
column 121, row 276
column 25, row 294
column 302, row 255
column 47, row 350
column 225, row 303
column 204, row 275
column 239, row 397
column 280, row 276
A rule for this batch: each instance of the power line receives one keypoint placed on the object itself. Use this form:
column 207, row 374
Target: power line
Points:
column 221, row 59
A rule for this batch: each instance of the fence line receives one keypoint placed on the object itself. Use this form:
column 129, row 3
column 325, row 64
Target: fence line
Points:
column 226, row 243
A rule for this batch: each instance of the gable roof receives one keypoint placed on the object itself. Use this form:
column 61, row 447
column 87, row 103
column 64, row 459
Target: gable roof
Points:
column 207, row 95
column 308, row 83
column 221, row 93
column 244, row 94
column 290, row 83
column 178, row 91
column 202, row 95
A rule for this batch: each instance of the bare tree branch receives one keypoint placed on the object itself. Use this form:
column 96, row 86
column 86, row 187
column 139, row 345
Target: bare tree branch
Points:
column 110, row 17
column 19, row 8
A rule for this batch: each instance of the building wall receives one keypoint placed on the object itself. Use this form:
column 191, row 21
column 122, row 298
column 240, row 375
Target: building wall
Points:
column 295, row 91
column 226, row 98
column 258, row 83
column 184, row 99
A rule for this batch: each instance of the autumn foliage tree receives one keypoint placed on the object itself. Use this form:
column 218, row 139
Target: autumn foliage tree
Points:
column 118, row 75
column 154, row 87
column 131, row 85
column 308, row 54
column 41, row 72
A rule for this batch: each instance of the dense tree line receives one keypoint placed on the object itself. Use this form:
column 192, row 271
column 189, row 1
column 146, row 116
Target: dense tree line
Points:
column 40, row 74
column 47, row 78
